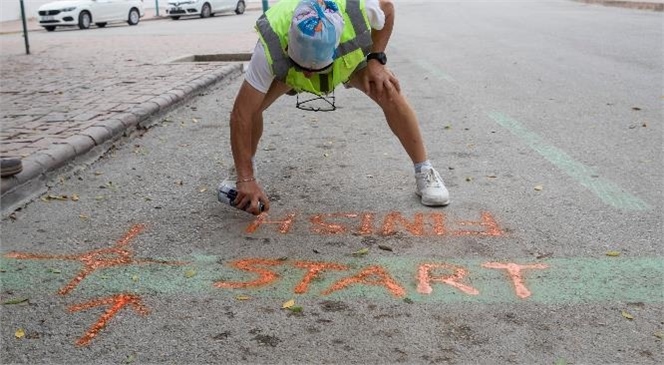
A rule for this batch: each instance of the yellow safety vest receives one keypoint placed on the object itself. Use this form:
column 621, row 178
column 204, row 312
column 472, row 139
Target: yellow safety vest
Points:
column 355, row 44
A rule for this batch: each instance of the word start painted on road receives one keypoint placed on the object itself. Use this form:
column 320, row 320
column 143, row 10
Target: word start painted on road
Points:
column 395, row 277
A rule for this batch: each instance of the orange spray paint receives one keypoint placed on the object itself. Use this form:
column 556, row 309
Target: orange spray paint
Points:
column 116, row 303
column 424, row 278
column 515, row 273
column 381, row 278
column 284, row 225
column 313, row 269
column 265, row 276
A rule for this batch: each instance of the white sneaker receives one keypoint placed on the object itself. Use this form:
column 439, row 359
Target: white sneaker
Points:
column 431, row 188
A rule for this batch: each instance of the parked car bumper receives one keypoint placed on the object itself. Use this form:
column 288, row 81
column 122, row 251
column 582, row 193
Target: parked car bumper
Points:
column 60, row 18
column 184, row 10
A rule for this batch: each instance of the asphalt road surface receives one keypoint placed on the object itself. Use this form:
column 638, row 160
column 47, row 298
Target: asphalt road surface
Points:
column 544, row 119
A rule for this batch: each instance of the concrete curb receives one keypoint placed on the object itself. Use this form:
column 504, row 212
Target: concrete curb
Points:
column 653, row 6
column 90, row 144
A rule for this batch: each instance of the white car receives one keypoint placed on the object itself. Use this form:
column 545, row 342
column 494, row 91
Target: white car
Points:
column 83, row 13
column 203, row 8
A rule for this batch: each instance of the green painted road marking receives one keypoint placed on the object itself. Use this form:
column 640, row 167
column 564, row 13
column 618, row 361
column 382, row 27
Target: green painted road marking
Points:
column 435, row 71
column 565, row 281
column 607, row 191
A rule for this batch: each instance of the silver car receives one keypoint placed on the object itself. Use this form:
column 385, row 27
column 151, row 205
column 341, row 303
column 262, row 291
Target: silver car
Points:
column 203, row 8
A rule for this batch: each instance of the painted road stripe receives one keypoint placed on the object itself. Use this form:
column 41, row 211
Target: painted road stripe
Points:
column 609, row 192
column 559, row 281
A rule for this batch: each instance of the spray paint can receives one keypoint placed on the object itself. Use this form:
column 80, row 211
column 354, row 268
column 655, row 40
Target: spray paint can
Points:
column 226, row 194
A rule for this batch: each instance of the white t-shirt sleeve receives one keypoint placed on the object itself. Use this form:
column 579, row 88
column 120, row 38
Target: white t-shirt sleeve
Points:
column 259, row 74
column 375, row 14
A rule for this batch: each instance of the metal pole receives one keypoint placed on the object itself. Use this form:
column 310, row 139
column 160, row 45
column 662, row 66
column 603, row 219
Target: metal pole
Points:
column 265, row 6
column 25, row 29
column 156, row 2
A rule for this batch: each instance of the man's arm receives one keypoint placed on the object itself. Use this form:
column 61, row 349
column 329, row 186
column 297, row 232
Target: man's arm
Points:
column 380, row 79
column 244, row 135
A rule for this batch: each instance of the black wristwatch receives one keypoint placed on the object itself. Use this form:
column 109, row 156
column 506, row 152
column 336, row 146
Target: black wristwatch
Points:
column 378, row 56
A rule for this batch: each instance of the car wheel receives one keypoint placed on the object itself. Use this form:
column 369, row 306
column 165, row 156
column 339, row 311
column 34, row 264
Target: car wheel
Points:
column 84, row 20
column 50, row 28
column 239, row 9
column 134, row 17
column 100, row 25
column 206, row 10
column 175, row 17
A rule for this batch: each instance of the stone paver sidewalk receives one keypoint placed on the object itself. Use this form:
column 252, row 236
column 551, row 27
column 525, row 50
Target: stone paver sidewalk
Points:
column 71, row 96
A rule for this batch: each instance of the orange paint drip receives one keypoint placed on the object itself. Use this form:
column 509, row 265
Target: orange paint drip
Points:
column 116, row 303
column 514, row 271
column 488, row 224
column 416, row 228
column 313, row 269
column 265, row 276
column 284, row 225
column 97, row 259
column 424, row 278
column 382, row 278
column 438, row 220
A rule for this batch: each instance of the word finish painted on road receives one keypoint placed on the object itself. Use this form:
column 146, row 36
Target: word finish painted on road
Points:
column 429, row 224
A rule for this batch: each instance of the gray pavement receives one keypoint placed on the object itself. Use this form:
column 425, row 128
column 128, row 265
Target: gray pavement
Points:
column 69, row 100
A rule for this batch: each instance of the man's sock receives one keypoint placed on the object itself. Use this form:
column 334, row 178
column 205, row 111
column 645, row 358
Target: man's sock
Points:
column 420, row 165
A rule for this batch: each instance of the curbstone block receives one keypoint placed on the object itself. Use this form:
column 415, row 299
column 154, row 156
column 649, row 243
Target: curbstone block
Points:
column 114, row 126
column 47, row 162
column 61, row 154
column 127, row 119
column 145, row 110
column 31, row 169
column 98, row 134
column 81, row 143
column 161, row 101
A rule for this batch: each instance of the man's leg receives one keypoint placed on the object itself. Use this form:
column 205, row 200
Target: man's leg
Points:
column 403, row 122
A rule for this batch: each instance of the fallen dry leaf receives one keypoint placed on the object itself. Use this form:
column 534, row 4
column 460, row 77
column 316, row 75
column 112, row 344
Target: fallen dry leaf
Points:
column 83, row 217
column 15, row 301
column 613, row 253
column 659, row 335
column 288, row 304
column 385, row 248
column 74, row 197
column 539, row 188
column 20, row 333
column 242, row 297
column 361, row 252
column 202, row 190
column 627, row 315
column 190, row 273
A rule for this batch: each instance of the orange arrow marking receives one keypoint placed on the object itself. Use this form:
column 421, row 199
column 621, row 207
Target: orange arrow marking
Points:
column 94, row 260
column 116, row 303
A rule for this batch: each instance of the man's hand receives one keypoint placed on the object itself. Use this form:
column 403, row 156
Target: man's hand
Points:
column 379, row 81
column 249, row 197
